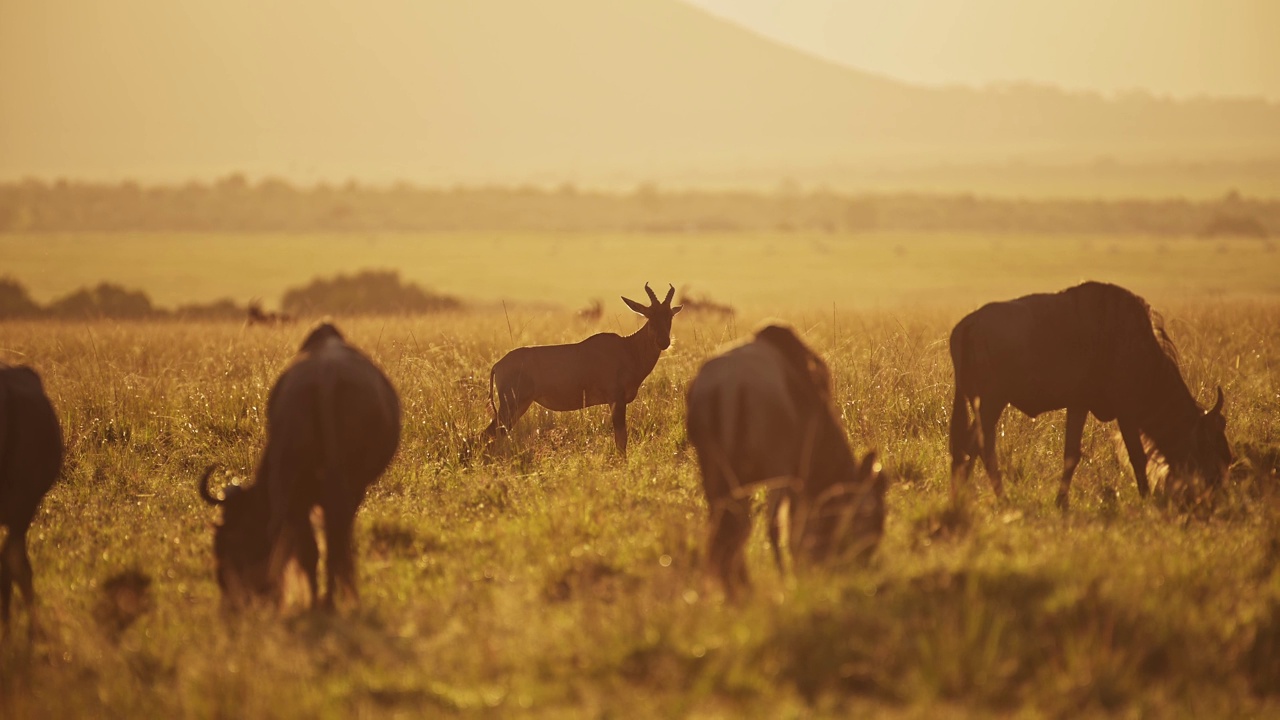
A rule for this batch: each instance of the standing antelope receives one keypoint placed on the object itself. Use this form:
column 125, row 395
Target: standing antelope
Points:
column 604, row 369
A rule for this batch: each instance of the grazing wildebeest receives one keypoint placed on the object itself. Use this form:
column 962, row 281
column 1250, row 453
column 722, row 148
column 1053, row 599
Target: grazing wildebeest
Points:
column 333, row 424
column 1094, row 348
column 30, row 460
column 604, row 369
column 760, row 415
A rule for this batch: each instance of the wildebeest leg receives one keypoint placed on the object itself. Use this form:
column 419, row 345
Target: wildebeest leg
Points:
column 308, row 554
column 6, row 587
column 730, row 528
column 989, row 417
column 341, row 562
column 963, row 444
column 773, row 506
column 1137, row 454
column 1071, row 453
column 620, row 426
column 15, row 566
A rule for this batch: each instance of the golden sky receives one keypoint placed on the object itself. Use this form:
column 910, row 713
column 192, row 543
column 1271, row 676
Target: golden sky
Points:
column 1178, row 47
column 612, row 91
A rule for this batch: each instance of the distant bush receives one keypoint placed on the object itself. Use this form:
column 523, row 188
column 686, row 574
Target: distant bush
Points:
column 371, row 292
column 107, row 300
column 1222, row 224
column 15, row 301
column 366, row 293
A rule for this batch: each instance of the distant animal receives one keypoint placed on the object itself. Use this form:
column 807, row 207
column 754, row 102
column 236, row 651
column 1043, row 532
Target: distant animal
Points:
column 1094, row 348
column 604, row 369
column 30, row 461
column 258, row 316
column 592, row 312
column 760, row 415
column 333, row 425
column 703, row 304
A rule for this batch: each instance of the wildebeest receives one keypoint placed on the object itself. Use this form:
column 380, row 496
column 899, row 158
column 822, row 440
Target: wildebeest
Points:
column 1094, row 348
column 30, row 461
column 760, row 415
column 604, row 369
column 333, row 425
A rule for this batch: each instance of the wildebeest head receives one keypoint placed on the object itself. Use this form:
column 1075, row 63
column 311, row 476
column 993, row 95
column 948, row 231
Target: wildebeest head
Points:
column 847, row 519
column 1210, row 457
column 659, row 313
column 241, row 549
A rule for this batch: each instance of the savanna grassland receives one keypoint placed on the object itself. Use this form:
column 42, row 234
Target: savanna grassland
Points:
column 554, row 578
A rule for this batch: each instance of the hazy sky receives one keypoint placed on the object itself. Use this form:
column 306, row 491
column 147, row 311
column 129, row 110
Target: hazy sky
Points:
column 449, row 91
column 1179, row 47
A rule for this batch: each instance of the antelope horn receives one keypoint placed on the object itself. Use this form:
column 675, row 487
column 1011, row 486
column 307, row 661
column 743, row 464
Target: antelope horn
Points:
column 1217, row 407
column 671, row 292
column 652, row 296
column 204, row 488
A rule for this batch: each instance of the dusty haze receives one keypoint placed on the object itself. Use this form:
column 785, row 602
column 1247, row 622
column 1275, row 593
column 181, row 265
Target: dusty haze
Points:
column 512, row 91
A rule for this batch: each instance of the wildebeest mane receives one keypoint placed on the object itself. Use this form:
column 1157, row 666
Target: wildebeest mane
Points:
column 801, row 359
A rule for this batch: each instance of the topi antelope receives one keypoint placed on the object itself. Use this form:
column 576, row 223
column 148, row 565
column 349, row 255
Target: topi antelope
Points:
column 604, row 369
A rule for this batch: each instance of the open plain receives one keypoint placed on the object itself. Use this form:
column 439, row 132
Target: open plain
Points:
column 553, row 578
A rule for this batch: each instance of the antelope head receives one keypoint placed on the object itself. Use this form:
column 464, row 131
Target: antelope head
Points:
column 659, row 314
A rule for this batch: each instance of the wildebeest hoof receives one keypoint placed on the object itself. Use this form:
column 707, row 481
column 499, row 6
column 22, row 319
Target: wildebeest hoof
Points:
column 1064, row 503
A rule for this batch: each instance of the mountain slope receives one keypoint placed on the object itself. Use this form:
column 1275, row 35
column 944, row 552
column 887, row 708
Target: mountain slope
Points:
column 497, row 90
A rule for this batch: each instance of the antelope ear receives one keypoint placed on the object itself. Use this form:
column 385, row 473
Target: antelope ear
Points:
column 676, row 309
column 637, row 307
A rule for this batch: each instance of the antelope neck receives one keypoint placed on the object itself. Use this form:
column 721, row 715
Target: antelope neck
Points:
column 643, row 346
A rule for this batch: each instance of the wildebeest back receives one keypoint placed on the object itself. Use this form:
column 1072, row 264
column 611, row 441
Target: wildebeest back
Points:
column 1092, row 346
column 332, row 412
column 741, row 404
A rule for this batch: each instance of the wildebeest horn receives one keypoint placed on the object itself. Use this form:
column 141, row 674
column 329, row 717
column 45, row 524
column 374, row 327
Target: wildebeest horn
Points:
column 652, row 297
column 870, row 465
column 670, row 294
column 204, row 488
column 1217, row 407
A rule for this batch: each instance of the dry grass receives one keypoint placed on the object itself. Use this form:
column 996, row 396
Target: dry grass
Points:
column 558, row 580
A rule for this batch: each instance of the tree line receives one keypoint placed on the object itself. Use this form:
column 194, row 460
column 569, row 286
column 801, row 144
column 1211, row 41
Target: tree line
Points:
column 235, row 204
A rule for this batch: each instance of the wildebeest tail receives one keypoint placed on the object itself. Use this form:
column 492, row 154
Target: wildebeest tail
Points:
column 705, row 427
column 328, row 412
column 492, row 405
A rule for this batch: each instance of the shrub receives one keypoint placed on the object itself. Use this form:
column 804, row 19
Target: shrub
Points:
column 15, row 302
column 107, row 300
column 366, row 293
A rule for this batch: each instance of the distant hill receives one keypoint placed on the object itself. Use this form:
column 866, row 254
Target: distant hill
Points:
column 594, row 91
